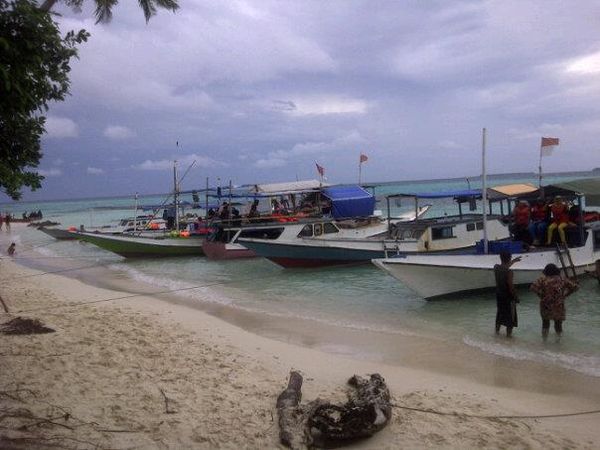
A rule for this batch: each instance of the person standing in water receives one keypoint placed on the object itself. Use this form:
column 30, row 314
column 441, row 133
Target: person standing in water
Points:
column 506, row 297
column 11, row 249
column 552, row 290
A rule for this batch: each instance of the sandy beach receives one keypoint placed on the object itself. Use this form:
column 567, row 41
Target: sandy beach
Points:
column 144, row 372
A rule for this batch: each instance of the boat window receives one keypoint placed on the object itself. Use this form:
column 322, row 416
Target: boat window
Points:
column 470, row 226
column 306, row 231
column 265, row 233
column 442, row 233
column 318, row 229
column 480, row 225
column 329, row 228
column 596, row 239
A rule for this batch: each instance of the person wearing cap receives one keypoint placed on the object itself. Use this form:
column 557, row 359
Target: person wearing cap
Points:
column 539, row 221
column 521, row 217
column 560, row 220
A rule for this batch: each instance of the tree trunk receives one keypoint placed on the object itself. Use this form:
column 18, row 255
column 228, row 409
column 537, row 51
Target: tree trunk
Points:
column 288, row 403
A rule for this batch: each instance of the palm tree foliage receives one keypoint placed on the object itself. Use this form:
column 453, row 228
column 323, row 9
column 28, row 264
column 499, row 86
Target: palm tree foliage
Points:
column 104, row 8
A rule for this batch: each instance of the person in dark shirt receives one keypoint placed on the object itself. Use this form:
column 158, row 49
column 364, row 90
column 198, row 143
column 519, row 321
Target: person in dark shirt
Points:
column 506, row 297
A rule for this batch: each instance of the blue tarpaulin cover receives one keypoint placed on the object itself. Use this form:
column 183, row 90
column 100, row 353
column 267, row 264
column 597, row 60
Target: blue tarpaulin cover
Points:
column 349, row 201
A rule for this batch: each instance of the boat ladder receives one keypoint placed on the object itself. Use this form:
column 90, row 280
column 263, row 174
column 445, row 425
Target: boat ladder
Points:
column 391, row 247
column 564, row 256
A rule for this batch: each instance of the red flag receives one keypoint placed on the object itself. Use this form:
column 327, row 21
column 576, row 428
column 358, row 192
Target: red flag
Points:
column 320, row 169
column 548, row 145
column 363, row 158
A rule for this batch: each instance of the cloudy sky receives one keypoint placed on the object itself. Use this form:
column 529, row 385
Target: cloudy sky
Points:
column 260, row 90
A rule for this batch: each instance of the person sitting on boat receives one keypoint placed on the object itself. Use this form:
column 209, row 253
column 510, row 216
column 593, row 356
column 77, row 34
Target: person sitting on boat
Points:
column 224, row 211
column 560, row 220
column 254, row 209
column 539, row 221
column 276, row 207
column 236, row 217
column 521, row 217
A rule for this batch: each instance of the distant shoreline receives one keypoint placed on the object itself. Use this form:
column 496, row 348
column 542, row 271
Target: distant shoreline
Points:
column 590, row 173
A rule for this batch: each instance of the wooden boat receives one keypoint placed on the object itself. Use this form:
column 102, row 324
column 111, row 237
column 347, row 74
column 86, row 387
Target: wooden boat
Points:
column 433, row 276
column 138, row 247
column 146, row 225
column 436, row 275
column 405, row 234
column 349, row 215
column 59, row 233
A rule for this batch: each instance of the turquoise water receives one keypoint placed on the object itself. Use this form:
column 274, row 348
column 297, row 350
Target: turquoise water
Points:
column 357, row 298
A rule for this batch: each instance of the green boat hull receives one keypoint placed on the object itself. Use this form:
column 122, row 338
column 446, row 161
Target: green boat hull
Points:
column 136, row 247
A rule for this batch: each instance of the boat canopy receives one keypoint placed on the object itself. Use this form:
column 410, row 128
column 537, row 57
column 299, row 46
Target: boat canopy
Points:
column 512, row 190
column 287, row 188
column 349, row 201
column 587, row 187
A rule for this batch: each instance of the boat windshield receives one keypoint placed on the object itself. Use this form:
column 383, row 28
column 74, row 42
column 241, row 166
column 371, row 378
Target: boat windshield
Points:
column 262, row 233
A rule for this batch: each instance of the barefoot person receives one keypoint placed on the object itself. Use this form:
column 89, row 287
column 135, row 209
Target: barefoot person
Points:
column 11, row 249
column 506, row 297
column 552, row 290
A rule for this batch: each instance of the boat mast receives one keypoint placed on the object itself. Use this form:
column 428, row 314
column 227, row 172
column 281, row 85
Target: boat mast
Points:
column 206, row 198
column 135, row 213
column 484, row 193
column 176, row 195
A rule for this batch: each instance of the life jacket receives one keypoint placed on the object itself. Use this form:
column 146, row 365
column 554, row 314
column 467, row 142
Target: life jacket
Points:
column 539, row 212
column 522, row 215
column 560, row 213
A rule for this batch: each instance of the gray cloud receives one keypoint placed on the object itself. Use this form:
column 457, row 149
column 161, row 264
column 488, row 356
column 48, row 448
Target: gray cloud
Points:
column 61, row 127
column 276, row 84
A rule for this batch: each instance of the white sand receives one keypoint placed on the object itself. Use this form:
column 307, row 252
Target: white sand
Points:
column 108, row 362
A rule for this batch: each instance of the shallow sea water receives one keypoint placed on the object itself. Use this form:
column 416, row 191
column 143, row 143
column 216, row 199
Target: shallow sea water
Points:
column 359, row 298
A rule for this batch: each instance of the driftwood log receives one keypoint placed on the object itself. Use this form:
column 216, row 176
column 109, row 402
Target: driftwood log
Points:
column 326, row 425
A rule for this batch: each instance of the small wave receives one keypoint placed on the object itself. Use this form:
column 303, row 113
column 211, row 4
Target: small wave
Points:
column 588, row 365
column 215, row 295
column 199, row 293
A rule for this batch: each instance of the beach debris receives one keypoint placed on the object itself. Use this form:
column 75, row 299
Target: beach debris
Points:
column 4, row 305
column 323, row 424
column 167, row 409
column 20, row 325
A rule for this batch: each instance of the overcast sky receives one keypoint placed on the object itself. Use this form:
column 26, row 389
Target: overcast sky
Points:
column 260, row 90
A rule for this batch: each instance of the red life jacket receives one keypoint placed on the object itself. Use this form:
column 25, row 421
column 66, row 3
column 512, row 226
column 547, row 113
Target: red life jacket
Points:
column 539, row 212
column 560, row 213
column 522, row 214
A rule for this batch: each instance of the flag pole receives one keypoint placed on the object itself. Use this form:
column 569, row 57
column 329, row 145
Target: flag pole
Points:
column 540, row 169
column 484, row 192
column 359, row 169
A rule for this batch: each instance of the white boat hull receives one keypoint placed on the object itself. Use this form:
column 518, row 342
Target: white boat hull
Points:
column 439, row 275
